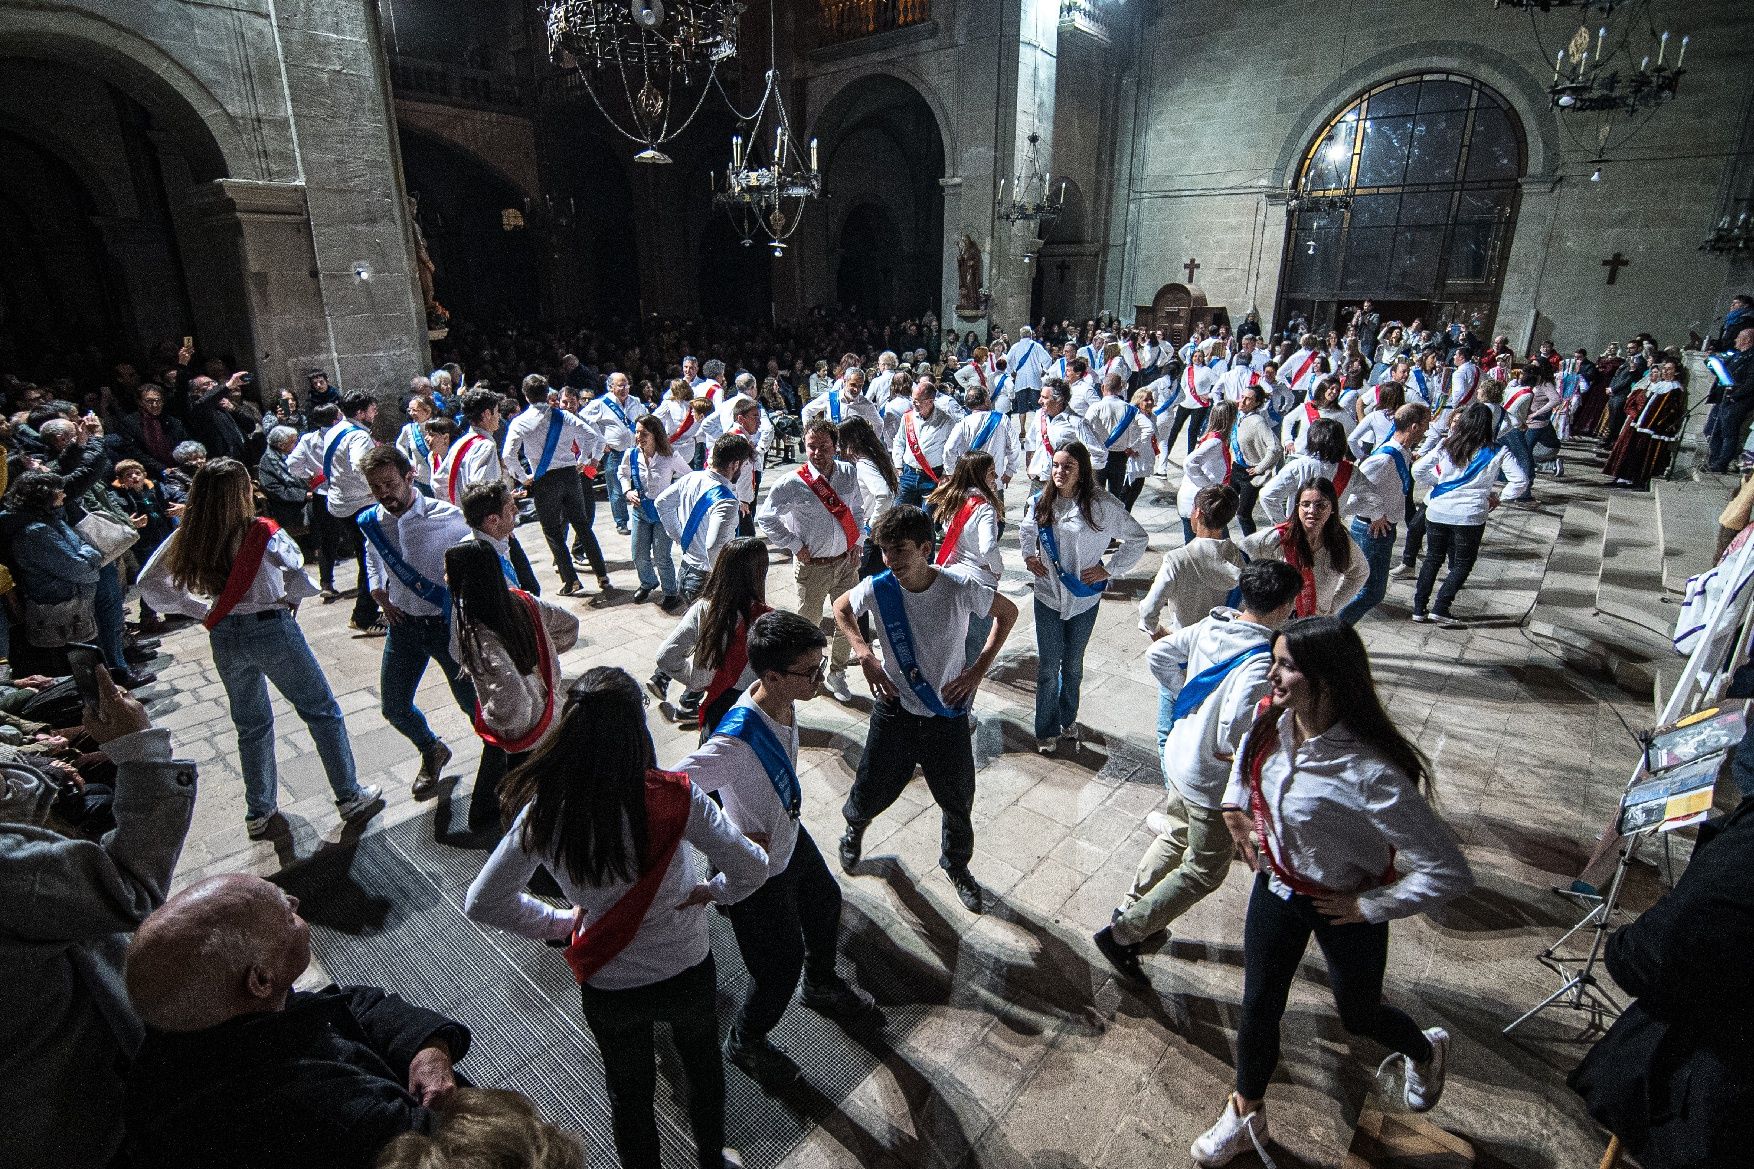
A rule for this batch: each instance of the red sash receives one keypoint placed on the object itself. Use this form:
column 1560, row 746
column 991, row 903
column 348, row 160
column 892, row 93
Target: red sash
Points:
column 688, row 420
column 1045, row 444
column 1258, row 748
column 318, row 480
column 545, row 668
column 836, row 506
column 1342, row 476
column 243, row 570
column 668, row 801
column 913, row 444
column 1302, row 369
column 457, row 463
column 1311, row 412
column 1193, row 391
column 1223, row 446
column 736, row 658
column 1306, row 596
column 953, row 534
column 1521, row 393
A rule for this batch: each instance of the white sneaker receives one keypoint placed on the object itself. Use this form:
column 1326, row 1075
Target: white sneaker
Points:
column 1233, row 1134
column 1424, row 1081
column 836, row 684
column 1403, row 572
column 258, row 827
column 1046, row 746
column 1158, row 823
column 370, row 798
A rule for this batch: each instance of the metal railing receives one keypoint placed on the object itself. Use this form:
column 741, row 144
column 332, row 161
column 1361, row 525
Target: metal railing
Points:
column 840, row 21
column 424, row 80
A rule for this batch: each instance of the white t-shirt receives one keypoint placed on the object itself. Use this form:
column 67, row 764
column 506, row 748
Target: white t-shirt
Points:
column 937, row 619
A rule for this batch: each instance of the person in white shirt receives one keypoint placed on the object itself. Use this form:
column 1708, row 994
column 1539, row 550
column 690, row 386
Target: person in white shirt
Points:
column 407, row 536
column 474, row 456
column 790, row 926
column 918, row 449
column 1196, row 578
column 1327, row 457
column 815, row 514
column 491, row 511
column 878, row 483
column 1303, row 367
column 983, row 429
column 1083, row 387
column 970, row 506
column 1211, row 678
column 306, row 462
column 613, row 414
column 1325, row 803
column 710, row 387
column 1382, row 489
column 643, row 475
column 1065, row 534
column 1463, row 475
column 681, row 423
column 1425, row 380
column 1193, row 391
column 1324, row 402
column 411, row 441
column 1051, row 429
column 640, row 959
column 1121, row 430
column 848, row 400
column 1255, row 454
column 700, row 510
column 1208, row 465
column 878, row 387
column 344, row 448
column 545, row 447
column 923, row 688
column 1027, row 362
column 748, row 421
column 243, row 579
column 1314, row 541
column 1378, row 422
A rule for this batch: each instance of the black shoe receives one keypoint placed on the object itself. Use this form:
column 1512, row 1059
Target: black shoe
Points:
column 132, row 679
column 1124, row 958
column 136, row 656
column 641, row 595
column 967, row 888
column 841, row 1003
column 671, row 603
column 764, row 1063
column 852, row 846
column 571, row 588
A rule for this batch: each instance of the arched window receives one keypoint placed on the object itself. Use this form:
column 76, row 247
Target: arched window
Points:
column 1408, row 198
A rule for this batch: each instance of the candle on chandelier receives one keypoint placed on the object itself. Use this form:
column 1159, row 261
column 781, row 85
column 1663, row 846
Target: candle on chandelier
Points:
column 1682, row 55
column 1662, row 48
column 1558, row 63
column 813, row 165
column 1644, row 65
column 736, row 150
column 1601, row 35
column 1001, row 190
column 779, row 147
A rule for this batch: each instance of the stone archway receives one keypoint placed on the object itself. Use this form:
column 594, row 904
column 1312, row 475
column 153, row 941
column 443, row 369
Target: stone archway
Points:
column 485, row 261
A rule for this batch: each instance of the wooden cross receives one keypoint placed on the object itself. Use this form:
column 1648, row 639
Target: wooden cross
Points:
column 1060, row 271
column 1614, row 265
column 1193, row 266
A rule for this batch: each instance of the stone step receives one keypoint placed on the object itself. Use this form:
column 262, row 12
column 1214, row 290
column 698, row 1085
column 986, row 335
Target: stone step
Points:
column 1687, row 511
column 1404, row 1140
column 1629, row 582
column 1565, row 612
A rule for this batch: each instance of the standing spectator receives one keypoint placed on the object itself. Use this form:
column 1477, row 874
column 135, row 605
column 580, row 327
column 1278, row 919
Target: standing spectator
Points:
column 149, row 435
column 287, row 491
column 154, row 518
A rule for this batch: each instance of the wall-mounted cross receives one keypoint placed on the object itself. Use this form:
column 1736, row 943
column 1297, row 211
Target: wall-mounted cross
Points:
column 1193, row 266
column 1613, row 265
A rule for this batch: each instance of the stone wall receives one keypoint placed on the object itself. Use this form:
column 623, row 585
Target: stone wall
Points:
column 1225, row 99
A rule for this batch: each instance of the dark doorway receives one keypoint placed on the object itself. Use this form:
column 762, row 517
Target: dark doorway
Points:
column 868, row 278
column 478, row 233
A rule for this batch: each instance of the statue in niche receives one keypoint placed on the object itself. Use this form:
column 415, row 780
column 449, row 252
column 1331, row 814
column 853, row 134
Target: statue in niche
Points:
column 968, row 277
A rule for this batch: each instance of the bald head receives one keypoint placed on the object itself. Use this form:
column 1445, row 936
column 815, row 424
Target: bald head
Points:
column 227, row 946
column 59, row 433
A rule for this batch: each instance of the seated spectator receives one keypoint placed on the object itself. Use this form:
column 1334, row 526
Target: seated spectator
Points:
column 66, row 907
column 486, row 1128
column 239, row 1069
column 287, row 491
column 148, row 435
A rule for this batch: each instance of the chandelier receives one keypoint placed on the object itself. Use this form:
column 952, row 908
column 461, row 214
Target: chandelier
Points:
column 1733, row 233
column 641, row 60
column 1032, row 199
column 1586, row 84
column 766, row 197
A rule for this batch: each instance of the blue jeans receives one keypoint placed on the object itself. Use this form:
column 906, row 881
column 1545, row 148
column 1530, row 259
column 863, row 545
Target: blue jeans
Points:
column 1379, row 552
column 1059, row 669
column 1517, row 443
column 409, row 645
column 913, row 487
column 250, row 651
column 107, row 609
column 617, row 501
column 651, row 541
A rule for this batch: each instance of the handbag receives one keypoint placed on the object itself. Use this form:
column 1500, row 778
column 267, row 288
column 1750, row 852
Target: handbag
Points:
column 52, row 624
column 107, row 534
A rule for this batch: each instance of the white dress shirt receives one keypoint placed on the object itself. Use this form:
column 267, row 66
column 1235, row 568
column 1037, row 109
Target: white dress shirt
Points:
column 1208, row 465
column 405, row 442
column 1082, row 545
column 1102, row 419
column 1203, row 743
column 851, row 406
column 1198, row 386
column 875, row 494
column 655, row 474
column 1002, row 443
column 421, row 536
column 794, row 518
column 1064, row 427
column 1376, row 491
column 676, row 654
column 977, row 547
column 729, row 766
column 346, row 485
column 931, row 434
column 280, row 579
column 1027, row 361
column 473, row 458
column 672, row 414
column 717, row 529
column 617, row 435
column 527, row 435
column 306, row 461
column 1085, row 391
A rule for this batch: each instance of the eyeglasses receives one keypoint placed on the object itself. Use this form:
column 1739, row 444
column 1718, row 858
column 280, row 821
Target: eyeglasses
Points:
column 820, row 671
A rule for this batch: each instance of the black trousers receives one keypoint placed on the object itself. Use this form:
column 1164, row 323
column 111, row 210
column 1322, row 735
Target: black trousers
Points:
column 1274, row 937
column 622, row 1022
column 484, row 800
column 331, row 541
column 1246, row 496
column 1113, row 476
column 521, row 568
column 365, row 608
column 942, row 748
column 562, row 501
column 1195, row 417
column 790, row 925
column 1460, row 546
column 1415, row 533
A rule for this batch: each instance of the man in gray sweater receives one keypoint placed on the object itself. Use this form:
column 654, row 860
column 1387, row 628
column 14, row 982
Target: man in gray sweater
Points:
column 67, row 906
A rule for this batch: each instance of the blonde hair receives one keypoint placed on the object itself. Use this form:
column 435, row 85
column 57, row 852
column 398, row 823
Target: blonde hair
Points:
column 485, row 1128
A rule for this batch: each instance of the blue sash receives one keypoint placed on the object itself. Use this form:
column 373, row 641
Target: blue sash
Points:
column 1471, row 472
column 335, row 445
column 1197, row 689
column 609, row 401
column 510, row 573
column 886, row 590
column 1114, row 435
column 1236, row 459
column 986, row 431
column 433, row 594
column 1424, row 390
column 1400, row 460
column 419, row 438
column 555, row 425
column 647, row 508
column 713, row 496
column 999, row 385
column 743, row 722
column 834, row 406
column 1050, row 544
column 1168, row 404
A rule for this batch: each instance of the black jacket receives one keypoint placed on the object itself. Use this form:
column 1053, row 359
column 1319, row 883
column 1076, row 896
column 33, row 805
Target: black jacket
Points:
column 322, row 1082
column 128, row 441
column 1674, row 1076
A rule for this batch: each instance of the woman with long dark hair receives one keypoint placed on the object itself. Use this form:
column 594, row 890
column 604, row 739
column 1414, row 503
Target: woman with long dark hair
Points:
column 970, row 508
column 646, row 472
column 1208, row 464
column 509, row 643
column 878, row 482
column 1462, row 473
column 708, row 650
column 1066, row 533
column 1327, row 802
column 243, row 578
column 592, row 807
column 1314, row 541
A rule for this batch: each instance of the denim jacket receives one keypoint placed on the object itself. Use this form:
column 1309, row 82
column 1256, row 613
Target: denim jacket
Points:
column 53, row 562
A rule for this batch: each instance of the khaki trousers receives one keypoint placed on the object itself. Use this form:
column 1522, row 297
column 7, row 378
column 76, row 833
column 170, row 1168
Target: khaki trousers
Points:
column 819, row 584
column 1180, row 867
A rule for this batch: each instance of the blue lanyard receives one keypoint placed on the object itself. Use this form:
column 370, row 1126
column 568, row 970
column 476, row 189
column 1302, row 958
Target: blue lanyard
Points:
column 745, row 723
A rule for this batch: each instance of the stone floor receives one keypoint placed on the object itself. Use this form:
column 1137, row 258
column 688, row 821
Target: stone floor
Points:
column 1039, row 1057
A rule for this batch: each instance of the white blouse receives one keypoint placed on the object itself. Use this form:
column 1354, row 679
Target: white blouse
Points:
column 1082, row 545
